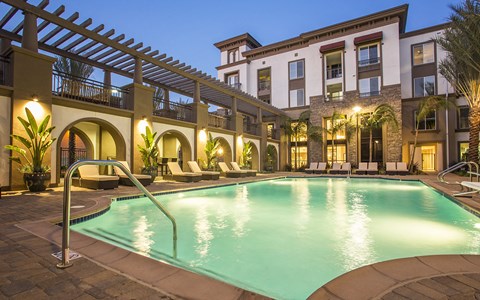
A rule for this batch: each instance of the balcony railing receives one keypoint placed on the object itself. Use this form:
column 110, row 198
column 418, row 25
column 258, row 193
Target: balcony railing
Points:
column 88, row 90
column 334, row 98
column 250, row 128
column 5, row 71
column 264, row 86
column 273, row 133
column 370, row 61
column 370, row 94
column 215, row 120
column 172, row 110
column 236, row 85
column 334, row 73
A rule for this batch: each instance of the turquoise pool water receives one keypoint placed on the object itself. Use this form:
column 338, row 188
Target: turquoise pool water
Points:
column 285, row 238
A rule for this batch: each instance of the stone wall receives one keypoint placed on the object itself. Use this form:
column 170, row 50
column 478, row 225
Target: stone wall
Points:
column 392, row 138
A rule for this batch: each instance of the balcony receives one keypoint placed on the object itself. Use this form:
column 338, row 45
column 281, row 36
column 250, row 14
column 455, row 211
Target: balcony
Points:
column 273, row 133
column 264, row 86
column 217, row 121
column 250, row 129
column 5, row 71
column 370, row 64
column 334, row 98
column 369, row 94
column 334, row 72
column 236, row 85
column 87, row 90
column 172, row 110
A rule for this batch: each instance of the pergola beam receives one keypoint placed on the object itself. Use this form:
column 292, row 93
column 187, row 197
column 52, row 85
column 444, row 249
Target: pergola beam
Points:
column 82, row 38
column 69, row 35
column 59, row 28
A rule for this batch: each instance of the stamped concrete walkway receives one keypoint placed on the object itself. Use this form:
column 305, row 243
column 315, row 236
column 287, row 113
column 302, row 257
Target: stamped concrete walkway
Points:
column 28, row 270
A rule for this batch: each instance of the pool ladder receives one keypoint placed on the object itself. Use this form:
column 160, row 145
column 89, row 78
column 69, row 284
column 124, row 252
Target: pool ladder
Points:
column 441, row 175
column 67, row 202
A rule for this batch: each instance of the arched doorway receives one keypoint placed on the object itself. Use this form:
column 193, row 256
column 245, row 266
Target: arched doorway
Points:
column 88, row 138
column 173, row 144
column 224, row 153
column 271, row 158
column 255, row 157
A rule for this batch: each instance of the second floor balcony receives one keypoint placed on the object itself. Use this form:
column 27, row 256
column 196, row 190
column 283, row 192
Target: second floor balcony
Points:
column 88, row 90
column 236, row 85
column 215, row 120
column 172, row 110
column 335, row 72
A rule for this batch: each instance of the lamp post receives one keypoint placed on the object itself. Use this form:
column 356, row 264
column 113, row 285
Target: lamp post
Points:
column 356, row 110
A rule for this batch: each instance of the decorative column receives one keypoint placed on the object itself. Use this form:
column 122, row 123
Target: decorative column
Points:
column 138, row 72
column 29, row 37
column 107, row 78
column 262, row 131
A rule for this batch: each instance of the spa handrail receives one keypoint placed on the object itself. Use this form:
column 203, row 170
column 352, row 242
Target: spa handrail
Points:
column 67, row 201
column 441, row 175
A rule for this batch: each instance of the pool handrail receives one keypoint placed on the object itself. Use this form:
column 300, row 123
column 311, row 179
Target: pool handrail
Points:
column 441, row 175
column 67, row 202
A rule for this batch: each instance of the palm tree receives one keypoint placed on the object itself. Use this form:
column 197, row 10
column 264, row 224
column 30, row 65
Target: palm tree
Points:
column 426, row 107
column 339, row 122
column 72, row 68
column 461, row 67
column 383, row 114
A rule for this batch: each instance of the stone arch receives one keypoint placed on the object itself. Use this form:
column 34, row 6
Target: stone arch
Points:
column 104, row 126
column 255, row 157
column 186, row 148
column 227, row 150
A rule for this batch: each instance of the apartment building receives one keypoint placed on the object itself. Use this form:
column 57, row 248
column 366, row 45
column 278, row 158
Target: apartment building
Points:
column 350, row 68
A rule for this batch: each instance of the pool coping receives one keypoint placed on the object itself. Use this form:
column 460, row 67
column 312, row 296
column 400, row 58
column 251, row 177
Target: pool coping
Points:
column 172, row 280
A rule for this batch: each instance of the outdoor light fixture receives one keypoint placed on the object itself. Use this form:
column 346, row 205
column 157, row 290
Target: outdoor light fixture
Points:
column 144, row 117
column 34, row 98
column 202, row 135
column 357, row 109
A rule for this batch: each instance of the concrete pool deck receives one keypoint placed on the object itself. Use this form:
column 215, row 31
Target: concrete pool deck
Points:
column 28, row 268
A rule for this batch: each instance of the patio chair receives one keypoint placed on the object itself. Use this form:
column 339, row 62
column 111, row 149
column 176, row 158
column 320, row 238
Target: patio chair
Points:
column 391, row 168
column 402, row 168
column 180, row 176
column 231, row 173
column 346, row 168
column 372, row 168
column 321, row 168
column 90, row 178
column 312, row 168
column 336, row 167
column 362, row 168
column 206, row 175
column 124, row 180
column 236, row 167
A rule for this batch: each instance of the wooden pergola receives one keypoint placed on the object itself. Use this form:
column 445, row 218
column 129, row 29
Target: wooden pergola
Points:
column 69, row 36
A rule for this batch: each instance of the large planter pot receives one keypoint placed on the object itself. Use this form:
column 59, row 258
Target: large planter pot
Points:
column 153, row 172
column 36, row 182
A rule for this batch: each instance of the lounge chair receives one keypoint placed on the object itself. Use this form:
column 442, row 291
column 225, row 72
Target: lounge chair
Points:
column 312, row 168
column 321, row 168
column 473, row 188
column 402, row 168
column 236, row 167
column 372, row 168
column 362, row 168
column 346, row 168
column 179, row 175
column 336, row 167
column 391, row 168
column 206, row 175
column 90, row 178
column 231, row 173
column 124, row 180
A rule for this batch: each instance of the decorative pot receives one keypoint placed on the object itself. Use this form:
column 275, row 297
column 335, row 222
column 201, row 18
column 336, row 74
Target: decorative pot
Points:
column 152, row 171
column 36, row 182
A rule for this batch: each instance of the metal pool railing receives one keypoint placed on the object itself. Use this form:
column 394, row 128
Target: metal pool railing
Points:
column 67, row 201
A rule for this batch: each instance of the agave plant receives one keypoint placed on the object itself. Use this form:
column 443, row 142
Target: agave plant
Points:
column 149, row 151
column 36, row 145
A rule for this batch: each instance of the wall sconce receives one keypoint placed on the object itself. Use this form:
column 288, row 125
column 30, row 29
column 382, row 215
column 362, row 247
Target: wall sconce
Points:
column 202, row 135
column 34, row 98
column 144, row 117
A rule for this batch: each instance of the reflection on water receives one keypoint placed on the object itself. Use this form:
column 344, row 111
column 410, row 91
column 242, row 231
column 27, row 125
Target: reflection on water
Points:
column 302, row 197
column 143, row 241
column 241, row 212
column 203, row 231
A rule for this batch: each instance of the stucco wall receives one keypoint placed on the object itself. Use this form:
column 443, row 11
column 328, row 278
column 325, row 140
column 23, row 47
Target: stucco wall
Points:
column 189, row 133
column 5, row 114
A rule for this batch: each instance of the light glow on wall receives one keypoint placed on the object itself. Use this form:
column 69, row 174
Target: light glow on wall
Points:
column 142, row 125
column 240, row 141
column 202, row 135
column 36, row 108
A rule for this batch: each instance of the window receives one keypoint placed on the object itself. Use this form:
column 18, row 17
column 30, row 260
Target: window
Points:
column 369, row 86
column 428, row 123
column 233, row 80
column 423, row 54
column 297, row 98
column 368, row 55
column 232, row 56
column 264, row 80
column 337, row 149
column 376, row 147
column 462, row 117
column 424, row 86
column 334, row 65
column 462, row 151
column 334, row 92
column 296, row 69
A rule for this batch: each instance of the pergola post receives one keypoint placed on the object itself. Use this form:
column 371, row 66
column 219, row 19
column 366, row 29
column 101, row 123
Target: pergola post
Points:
column 262, row 132
column 196, row 92
column 138, row 72
column 107, row 78
column 29, row 37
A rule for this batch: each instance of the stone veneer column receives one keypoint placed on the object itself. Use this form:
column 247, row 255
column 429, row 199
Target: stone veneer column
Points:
column 32, row 75
column 140, row 100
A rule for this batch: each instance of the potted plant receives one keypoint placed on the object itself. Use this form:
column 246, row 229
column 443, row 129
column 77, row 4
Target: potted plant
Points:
column 149, row 153
column 35, row 175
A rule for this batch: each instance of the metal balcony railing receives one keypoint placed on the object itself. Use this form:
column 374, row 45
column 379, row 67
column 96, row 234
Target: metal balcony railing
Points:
column 5, row 71
column 273, row 133
column 370, row 61
column 236, row 85
column 334, row 73
column 250, row 128
column 264, row 86
column 217, row 121
column 370, row 94
column 88, row 90
column 172, row 110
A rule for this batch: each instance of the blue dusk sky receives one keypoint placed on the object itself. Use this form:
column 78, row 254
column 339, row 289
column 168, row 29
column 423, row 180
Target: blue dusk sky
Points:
column 188, row 29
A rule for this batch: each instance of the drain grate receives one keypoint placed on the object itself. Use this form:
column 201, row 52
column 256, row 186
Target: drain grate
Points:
column 71, row 255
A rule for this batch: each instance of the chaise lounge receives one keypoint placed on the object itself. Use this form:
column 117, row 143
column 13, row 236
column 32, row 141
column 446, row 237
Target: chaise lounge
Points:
column 336, row 167
column 206, row 175
column 180, row 176
column 362, row 168
column 231, row 173
column 236, row 167
column 124, row 180
column 321, row 168
column 345, row 169
column 90, row 178
column 312, row 168
column 372, row 168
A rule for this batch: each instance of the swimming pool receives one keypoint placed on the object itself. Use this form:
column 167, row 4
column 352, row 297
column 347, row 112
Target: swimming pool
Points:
column 285, row 238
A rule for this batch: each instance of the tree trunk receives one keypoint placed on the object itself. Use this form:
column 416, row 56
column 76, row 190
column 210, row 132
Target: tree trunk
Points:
column 370, row 147
column 71, row 148
column 412, row 156
column 474, row 120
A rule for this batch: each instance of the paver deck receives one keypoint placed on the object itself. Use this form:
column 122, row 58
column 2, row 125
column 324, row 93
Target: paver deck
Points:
column 28, row 270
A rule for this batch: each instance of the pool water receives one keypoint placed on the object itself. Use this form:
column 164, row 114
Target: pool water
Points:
column 286, row 238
